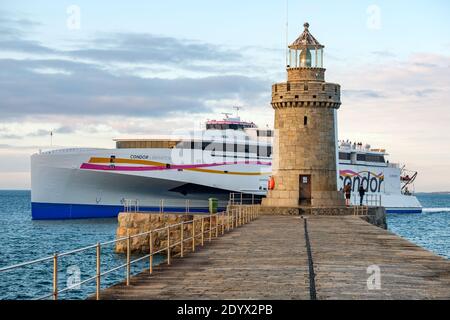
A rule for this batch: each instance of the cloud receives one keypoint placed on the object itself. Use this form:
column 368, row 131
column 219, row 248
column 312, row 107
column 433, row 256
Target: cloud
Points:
column 384, row 54
column 87, row 90
column 150, row 48
column 362, row 93
column 91, row 80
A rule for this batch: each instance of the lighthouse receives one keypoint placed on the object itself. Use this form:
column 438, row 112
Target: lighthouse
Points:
column 304, row 163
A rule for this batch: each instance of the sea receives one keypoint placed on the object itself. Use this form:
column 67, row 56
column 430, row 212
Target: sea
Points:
column 23, row 239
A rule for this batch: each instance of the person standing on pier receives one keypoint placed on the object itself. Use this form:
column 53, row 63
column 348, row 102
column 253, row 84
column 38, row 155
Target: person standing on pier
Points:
column 348, row 193
column 362, row 192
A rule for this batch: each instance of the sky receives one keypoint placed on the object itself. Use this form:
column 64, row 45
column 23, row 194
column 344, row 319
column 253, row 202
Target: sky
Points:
column 91, row 71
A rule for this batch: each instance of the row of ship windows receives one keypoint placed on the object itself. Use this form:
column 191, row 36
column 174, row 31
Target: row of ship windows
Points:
column 261, row 151
column 264, row 151
column 362, row 157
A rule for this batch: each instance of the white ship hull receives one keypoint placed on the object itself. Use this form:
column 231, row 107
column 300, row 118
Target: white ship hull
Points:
column 81, row 183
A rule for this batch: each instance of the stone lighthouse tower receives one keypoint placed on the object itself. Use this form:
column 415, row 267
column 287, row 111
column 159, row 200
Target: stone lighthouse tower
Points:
column 304, row 164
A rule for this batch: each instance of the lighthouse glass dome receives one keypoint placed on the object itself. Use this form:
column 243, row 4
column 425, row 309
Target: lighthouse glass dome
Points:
column 306, row 58
column 306, row 51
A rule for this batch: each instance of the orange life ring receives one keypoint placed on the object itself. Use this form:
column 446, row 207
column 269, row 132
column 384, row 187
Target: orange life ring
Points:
column 271, row 183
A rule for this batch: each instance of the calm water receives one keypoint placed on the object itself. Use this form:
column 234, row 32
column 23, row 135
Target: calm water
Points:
column 23, row 239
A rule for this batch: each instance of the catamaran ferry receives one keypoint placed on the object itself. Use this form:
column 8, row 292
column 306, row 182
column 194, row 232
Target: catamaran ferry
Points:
column 180, row 172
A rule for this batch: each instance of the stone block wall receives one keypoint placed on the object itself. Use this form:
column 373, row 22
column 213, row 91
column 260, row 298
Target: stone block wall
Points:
column 306, row 141
column 136, row 223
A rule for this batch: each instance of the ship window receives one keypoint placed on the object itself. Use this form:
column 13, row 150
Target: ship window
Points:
column 264, row 151
column 361, row 157
column 253, row 149
column 305, row 120
column 374, row 158
column 264, row 133
column 344, row 156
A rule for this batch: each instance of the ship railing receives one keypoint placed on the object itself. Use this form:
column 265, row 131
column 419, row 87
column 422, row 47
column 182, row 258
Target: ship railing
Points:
column 369, row 200
column 208, row 227
column 239, row 198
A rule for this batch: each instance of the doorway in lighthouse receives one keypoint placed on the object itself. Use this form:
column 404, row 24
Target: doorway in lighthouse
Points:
column 304, row 198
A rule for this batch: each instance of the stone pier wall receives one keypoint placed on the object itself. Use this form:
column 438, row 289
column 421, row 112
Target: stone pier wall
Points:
column 134, row 223
column 375, row 215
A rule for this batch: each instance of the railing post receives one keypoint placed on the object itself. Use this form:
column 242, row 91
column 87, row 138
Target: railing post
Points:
column 168, row 245
column 240, row 216
column 97, row 291
column 55, row 276
column 203, row 231
column 151, row 252
column 182, row 239
column 228, row 220
column 210, row 226
column 223, row 224
column 193, row 234
column 217, row 225
column 128, row 258
column 233, row 218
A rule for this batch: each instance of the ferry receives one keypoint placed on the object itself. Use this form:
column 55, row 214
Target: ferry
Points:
column 182, row 171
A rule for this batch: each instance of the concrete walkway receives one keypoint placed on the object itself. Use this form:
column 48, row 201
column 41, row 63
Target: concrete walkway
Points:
column 267, row 259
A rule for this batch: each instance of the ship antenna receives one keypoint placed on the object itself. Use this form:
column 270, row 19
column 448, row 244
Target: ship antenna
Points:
column 237, row 108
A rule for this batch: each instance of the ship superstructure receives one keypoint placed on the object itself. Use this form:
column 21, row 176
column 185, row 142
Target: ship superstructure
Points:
column 180, row 171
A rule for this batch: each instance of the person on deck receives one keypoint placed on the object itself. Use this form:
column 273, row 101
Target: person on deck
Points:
column 362, row 192
column 348, row 193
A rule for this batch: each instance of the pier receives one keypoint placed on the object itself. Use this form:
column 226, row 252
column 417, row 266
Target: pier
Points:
column 296, row 257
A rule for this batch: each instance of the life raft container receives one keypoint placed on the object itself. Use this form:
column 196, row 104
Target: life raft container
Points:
column 271, row 183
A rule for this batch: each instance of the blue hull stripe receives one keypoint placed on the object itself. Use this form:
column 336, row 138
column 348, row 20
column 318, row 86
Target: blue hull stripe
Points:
column 60, row 211
column 404, row 211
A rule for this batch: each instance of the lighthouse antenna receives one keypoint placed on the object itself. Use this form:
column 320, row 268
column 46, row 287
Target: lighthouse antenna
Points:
column 287, row 32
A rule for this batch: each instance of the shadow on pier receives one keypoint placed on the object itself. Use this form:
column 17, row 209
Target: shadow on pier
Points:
column 268, row 258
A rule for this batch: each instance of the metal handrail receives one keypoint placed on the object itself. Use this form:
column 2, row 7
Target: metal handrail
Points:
column 370, row 200
column 231, row 218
